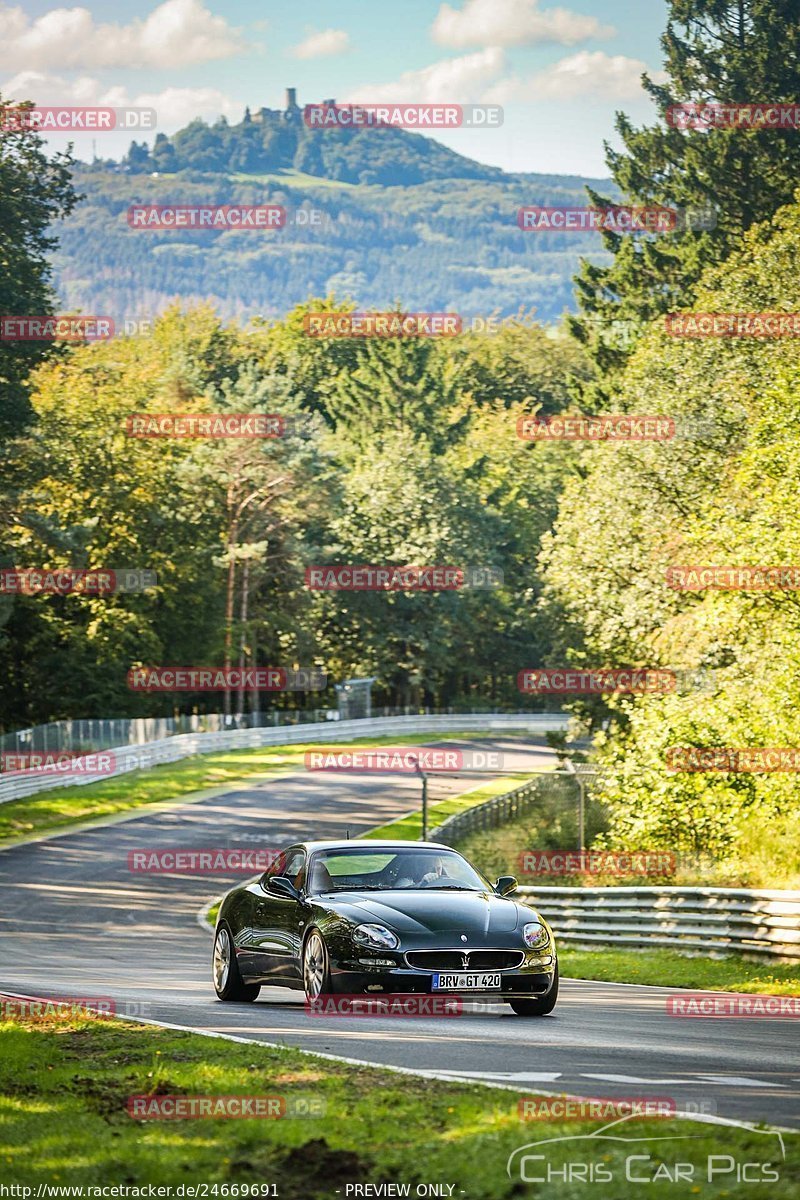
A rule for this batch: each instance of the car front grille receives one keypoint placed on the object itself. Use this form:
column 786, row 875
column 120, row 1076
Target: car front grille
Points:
column 465, row 960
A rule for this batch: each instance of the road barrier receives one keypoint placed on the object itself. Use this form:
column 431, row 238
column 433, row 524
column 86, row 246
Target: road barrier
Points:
column 172, row 749
column 712, row 920
column 501, row 809
column 709, row 919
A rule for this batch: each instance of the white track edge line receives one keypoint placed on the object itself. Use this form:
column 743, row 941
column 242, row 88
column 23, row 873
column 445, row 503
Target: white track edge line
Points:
column 705, row 1118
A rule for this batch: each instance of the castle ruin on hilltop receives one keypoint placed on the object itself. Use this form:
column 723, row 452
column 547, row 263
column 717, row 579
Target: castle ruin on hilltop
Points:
column 290, row 113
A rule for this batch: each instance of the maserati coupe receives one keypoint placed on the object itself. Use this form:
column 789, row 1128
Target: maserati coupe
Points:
column 365, row 918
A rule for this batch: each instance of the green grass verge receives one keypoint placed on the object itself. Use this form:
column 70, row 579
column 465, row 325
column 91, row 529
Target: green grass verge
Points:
column 670, row 968
column 64, row 1089
column 59, row 808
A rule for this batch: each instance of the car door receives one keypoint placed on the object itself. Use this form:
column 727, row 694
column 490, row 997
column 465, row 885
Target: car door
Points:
column 280, row 921
column 251, row 935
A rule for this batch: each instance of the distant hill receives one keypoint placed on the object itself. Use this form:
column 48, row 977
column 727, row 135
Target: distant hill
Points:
column 402, row 218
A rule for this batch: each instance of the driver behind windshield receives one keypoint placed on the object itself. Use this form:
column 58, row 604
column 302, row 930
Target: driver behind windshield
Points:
column 421, row 869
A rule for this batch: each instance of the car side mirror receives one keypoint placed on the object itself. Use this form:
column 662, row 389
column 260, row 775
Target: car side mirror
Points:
column 281, row 885
column 505, row 884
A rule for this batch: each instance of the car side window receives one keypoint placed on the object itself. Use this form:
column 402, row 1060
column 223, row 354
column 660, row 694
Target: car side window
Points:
column 295, row 868
column 276, row 867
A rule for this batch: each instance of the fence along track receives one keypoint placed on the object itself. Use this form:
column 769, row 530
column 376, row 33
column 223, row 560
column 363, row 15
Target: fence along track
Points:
column 718, row 920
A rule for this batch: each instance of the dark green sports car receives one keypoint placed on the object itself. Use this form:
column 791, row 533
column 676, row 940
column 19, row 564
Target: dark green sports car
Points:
column 367, row 918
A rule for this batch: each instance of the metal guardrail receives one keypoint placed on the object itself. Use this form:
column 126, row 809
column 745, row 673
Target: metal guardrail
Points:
column 82, row 735
column 720, row 920
column 500, row 809
column 171, row 749
column 708, row 919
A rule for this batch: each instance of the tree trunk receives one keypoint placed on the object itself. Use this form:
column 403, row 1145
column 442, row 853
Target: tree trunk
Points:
column 229, row 599
column 243, row 630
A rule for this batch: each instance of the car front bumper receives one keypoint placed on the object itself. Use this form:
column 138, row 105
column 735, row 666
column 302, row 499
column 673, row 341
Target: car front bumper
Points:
column 350, row 977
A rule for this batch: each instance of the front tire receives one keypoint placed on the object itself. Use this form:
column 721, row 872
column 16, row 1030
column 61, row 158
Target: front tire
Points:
column 228, row 982
column 537, row 1006
column 316, row 966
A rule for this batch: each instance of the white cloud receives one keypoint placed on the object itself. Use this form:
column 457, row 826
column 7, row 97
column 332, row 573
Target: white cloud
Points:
column 178, row 33
column 174, row 106
column 458, row 79
column 322, row 45
column 588, row 73
column 513, row 23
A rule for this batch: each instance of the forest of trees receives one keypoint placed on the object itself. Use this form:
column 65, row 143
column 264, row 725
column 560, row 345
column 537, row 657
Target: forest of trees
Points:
column 407, row 452
column 444, row 244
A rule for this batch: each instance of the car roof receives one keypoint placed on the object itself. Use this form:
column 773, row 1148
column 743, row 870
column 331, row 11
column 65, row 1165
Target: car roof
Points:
column 371, row 845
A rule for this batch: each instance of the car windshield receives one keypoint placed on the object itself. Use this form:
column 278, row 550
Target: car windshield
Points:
column 379, row 871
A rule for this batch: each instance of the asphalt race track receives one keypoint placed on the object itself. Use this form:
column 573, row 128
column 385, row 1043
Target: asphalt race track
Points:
column 75, row 921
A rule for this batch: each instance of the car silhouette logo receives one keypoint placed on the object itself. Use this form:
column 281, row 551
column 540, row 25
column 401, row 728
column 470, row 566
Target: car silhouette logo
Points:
column 603, row 1134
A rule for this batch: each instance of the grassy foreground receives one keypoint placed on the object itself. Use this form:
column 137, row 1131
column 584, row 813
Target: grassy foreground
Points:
column 60, row 808
column 65, row 1086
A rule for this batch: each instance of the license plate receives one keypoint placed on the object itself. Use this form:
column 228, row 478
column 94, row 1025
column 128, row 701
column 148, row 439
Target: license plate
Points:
column 459, row 981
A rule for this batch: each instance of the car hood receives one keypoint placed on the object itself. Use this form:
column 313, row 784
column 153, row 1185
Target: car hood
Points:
column 413, row 912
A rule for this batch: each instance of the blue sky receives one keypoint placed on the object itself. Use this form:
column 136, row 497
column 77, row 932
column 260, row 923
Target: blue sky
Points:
column 560, row 70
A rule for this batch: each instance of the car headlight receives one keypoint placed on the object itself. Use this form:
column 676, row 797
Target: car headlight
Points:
column 535, row 934
column 377, row 937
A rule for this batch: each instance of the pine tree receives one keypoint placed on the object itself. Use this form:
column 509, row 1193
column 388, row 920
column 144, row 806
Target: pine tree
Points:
column 715, row 50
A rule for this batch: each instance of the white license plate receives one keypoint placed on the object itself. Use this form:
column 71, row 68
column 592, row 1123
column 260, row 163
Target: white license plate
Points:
column 459, row 981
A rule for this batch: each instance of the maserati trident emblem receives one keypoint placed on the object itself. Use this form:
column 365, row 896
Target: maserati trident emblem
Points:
column 465, row 961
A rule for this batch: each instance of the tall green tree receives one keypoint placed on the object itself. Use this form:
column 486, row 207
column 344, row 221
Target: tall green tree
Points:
column 715, row 50
column 722, row 492
column 35, row 191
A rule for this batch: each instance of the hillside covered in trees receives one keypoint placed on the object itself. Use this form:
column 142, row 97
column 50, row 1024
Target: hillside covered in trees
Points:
column 398, row 215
